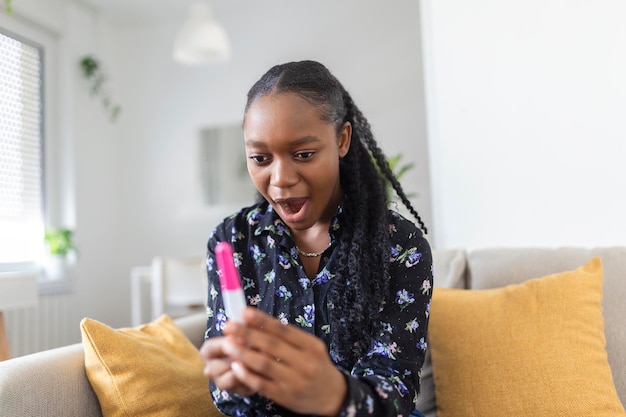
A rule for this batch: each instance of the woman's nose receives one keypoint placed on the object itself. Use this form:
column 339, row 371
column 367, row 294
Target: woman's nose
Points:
column 283, row 174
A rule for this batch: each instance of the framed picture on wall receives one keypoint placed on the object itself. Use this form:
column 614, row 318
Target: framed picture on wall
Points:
column 223, row 168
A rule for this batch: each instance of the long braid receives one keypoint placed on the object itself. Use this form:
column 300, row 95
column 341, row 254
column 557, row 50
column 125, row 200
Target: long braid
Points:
column 363, row 276
column 381, row 161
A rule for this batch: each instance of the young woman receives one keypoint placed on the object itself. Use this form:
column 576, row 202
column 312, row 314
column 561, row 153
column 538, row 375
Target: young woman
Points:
column 341, row 284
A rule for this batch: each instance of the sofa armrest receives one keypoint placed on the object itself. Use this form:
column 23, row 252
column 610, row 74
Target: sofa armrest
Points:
column 49, row 383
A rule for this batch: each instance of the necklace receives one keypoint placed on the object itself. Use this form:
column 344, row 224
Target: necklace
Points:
column 312, row 254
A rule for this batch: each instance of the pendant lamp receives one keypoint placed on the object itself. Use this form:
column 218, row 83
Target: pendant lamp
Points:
column 201, row 40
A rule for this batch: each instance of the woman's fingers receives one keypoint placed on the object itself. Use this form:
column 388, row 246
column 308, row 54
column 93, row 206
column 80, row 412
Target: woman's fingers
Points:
column 212, row 348
column 218, row 367
column 215, row 360
column 268, row 364
column 270, row 388
column 258, row 323
column 258, row 319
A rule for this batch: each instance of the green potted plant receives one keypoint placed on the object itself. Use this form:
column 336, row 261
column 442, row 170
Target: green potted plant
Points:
column 61, row 253
column 398, row 170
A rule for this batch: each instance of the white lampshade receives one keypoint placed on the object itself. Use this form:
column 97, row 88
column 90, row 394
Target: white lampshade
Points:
column 18, row 290
column 201, row 40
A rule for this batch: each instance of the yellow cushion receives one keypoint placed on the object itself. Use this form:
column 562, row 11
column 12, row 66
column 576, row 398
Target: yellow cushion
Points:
column 531, row 349
column 151, row 370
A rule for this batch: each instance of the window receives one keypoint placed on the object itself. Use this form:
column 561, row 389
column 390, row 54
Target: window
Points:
column 21, row 149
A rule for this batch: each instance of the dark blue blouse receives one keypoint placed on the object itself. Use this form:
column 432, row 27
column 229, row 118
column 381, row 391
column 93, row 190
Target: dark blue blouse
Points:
column 385, row 381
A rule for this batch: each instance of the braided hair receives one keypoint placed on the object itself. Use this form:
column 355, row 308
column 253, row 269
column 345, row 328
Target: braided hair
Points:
column 362, row 278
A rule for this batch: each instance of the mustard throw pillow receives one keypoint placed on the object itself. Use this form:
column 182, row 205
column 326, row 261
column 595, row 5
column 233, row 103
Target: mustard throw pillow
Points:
column 150, row 370
column 531, row 349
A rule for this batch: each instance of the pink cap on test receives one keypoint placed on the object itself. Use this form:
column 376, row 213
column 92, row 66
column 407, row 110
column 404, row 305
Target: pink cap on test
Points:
column 229, row 277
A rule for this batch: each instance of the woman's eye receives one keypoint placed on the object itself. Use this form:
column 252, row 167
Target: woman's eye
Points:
column 304, row 155
column 259, row 159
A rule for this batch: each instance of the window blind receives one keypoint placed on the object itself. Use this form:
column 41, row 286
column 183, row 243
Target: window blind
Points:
column 21, row 151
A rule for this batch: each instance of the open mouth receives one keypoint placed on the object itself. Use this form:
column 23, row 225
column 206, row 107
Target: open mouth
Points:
column 291, row 206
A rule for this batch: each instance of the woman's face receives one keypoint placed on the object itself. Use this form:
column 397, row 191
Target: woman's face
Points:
column 293, row 158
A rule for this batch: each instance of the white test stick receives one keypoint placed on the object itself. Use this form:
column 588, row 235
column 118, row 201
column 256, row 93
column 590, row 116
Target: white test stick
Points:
column 232, row 293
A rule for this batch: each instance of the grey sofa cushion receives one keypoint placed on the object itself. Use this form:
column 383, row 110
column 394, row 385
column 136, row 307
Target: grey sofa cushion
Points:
column 194, row 327
column 490, row 268
column 448, row 272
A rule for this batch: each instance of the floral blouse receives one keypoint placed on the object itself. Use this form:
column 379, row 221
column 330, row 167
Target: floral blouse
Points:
column 384, row 382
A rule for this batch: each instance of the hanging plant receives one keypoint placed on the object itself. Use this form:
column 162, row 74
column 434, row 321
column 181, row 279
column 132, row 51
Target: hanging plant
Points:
column 93, row 72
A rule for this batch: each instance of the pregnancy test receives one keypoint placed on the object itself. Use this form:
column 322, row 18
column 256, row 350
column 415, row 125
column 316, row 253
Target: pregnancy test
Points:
column 232, row 293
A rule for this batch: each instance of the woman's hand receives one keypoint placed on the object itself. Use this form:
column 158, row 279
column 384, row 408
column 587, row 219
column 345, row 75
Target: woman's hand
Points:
column 217, row 367
column 280, row 362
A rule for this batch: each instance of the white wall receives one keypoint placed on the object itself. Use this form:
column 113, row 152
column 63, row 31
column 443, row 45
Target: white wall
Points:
column 526, row 105
column 134, row 187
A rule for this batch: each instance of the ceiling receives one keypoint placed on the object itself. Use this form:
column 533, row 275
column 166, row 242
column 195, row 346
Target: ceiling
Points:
column 139, row 10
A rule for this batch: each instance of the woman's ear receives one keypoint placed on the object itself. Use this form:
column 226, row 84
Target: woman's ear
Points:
column 345, row 136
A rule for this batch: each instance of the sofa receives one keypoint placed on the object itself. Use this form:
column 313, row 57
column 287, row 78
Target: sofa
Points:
column 54, row 382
